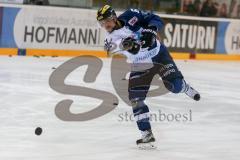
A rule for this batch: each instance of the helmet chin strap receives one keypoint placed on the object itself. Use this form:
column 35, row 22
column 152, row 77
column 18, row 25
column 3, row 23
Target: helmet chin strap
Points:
column 118, row 25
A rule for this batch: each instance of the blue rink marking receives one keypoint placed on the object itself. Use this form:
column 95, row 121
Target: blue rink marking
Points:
column 222, row 28
column 8, row 19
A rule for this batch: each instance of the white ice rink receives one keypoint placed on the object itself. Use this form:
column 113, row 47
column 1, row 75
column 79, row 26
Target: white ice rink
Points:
column 27, row 101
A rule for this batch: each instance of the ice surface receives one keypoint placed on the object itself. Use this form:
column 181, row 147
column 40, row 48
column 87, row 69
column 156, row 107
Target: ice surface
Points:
column 27, row 102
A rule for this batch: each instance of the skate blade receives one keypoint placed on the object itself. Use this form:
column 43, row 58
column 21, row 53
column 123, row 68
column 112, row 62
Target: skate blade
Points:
column 147, row 146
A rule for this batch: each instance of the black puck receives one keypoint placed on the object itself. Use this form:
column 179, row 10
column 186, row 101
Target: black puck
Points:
column 115, row 104
column 38, row 131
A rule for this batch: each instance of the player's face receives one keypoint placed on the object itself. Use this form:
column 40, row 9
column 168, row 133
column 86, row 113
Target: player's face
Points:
column 108, row 23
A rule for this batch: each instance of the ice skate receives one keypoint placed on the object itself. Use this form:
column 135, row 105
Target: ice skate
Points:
column 147, row 140
column 192, row 93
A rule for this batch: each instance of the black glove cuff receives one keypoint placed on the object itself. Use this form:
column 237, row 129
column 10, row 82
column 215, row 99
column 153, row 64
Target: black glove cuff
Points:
column 153, row 28
column 148, row 30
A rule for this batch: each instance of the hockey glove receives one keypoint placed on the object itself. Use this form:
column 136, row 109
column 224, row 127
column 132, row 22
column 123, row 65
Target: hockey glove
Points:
column 131, row 45
column 148, row 37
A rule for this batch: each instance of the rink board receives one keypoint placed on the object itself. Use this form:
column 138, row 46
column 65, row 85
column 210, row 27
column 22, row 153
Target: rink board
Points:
column 55, row 31
column 102, row 54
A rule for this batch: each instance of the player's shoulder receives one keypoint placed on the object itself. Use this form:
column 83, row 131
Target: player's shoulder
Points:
column 130, row 18
column 132, row 11
column 129, row 13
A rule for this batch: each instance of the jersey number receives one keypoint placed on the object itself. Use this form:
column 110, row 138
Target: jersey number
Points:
column 135, row 10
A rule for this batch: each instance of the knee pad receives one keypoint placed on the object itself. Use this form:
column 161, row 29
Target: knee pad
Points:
column 137, row 103
column 139, row 107
column 175, row 85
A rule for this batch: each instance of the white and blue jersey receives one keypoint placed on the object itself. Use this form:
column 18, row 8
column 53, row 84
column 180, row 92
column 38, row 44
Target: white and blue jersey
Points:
column 144, row 55
column 134, row 22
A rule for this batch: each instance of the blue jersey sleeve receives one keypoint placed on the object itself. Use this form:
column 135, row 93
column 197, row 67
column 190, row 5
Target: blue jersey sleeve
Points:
column 134, row 19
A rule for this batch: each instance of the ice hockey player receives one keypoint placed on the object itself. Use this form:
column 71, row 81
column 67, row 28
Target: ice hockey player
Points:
column 134, row 33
